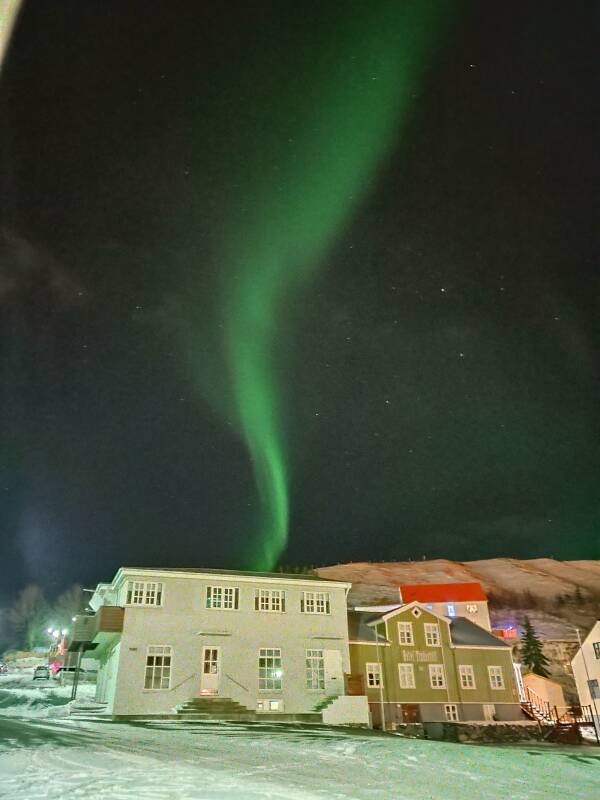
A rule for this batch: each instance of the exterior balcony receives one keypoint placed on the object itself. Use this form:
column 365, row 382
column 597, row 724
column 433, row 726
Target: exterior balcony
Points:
column 96, row 632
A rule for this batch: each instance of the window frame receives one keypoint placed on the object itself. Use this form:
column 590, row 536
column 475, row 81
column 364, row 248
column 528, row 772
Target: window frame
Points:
column 313, row 599
column 374, row 674
column 451, row 712
column 153, row 667
column 264, row 678
column 408, row 628
column 596, row 649
column 156, row 594
column 402, row 670
column 269, row 596
column 439, row 671
column 500, row 673
column 467, row 670
column 222, row 590
column 314, row 665
column 428, row 629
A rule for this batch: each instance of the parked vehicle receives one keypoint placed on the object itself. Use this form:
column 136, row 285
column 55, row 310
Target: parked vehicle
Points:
column 41, row 673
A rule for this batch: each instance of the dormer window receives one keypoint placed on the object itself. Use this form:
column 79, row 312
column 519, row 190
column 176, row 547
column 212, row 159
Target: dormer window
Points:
column 472, row 608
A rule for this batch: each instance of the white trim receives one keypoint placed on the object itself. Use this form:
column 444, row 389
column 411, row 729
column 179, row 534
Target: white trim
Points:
column 437, row 668
column 411, row 672
column 124, row 572
column 373, row 644
column 408, row 607
column 375, row 672
column 499, row 668
column 470, row 670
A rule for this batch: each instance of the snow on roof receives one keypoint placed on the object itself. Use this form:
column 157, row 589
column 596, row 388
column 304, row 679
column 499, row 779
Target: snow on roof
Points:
column 441, row 592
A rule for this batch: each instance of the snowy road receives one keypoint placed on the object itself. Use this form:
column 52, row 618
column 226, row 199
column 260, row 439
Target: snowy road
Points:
column 59, row 758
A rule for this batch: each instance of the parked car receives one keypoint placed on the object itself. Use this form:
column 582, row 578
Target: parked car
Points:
column 41, row 673
column 3, row 668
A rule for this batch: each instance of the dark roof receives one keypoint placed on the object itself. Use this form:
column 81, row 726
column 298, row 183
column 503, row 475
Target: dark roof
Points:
column 465, row 632
column 359, row 629
column 200, row 570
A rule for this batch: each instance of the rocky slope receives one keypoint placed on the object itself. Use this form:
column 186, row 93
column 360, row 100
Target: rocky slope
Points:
column 557, row 595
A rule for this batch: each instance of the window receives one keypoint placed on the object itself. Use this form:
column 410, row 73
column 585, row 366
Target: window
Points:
column 467, row 676
column 270, row 673
column 432, row 634
column 315, row 603
column 269, row 705
column 594, row 689
column 496, row 677
column 451, row 712
column 405, row 633
column 269, row 600
column 374, row 678
column 158, row 667
column 596, row 646
column 144, row 593
column 451, row 610
column 406, row 674
column 315, row 669
column 436, row 676
column 472, row 608
column 225, row 597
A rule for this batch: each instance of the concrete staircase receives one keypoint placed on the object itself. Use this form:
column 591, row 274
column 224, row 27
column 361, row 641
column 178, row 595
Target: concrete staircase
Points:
column 214, row 708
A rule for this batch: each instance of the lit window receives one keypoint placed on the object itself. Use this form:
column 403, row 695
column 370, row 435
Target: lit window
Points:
column 432, row 634
column 315, row 669
column 144, row 593
column 437, row 679
column 270, row 672
column 467, row 676
column 374, row 678
column 597, row 649
column 158, row 667
column 269, row 600
column 496, row 677
column 405, row 633
column 224, row 597
column 451, row 610
column 406, row 673
column 315, row 603
column 451, row 712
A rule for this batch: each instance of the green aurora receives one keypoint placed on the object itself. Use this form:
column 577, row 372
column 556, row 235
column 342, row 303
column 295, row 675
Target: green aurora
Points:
column 327, row 127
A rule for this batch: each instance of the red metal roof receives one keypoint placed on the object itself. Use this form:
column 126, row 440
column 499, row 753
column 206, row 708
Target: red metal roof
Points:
column 441, row 592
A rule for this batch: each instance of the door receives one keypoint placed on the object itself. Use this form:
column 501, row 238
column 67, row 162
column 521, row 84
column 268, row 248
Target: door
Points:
column 489, row 712
column 334, row 675
column 211, row 670
column 410, row 712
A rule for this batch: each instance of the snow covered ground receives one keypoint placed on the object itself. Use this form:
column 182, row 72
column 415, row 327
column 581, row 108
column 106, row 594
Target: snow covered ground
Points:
column 54, row 757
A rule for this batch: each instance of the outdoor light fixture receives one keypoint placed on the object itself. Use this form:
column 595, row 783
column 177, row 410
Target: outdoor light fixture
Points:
column 64, row 631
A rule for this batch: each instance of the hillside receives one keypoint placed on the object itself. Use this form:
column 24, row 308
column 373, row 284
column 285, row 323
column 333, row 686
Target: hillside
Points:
column 557, row 595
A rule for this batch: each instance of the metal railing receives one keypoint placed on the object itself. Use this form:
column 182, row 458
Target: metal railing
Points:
column 185, row 680
column 237, row 683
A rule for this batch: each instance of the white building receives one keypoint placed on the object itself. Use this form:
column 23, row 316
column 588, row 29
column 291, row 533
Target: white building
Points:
column 256, row 642
column 586, row 671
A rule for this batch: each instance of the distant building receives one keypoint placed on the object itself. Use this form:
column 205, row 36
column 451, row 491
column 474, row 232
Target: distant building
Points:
column 586, row 671
column 239, row 644
column 416, row 665
column 450, row 600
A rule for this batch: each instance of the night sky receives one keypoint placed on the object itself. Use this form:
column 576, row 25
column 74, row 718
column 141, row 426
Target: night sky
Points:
column 300, row 266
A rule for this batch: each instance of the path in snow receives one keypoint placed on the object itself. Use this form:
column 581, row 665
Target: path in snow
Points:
column 54, row 759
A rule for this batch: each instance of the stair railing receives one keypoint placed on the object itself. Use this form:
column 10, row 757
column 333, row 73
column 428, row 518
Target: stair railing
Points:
column 237, row 683
column 185, row 680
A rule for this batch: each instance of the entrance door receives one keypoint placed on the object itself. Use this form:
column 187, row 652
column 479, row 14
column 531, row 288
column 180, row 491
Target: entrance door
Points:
column 211, row 670
column 334, row 674
column 410, row 712
column 489, row 711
